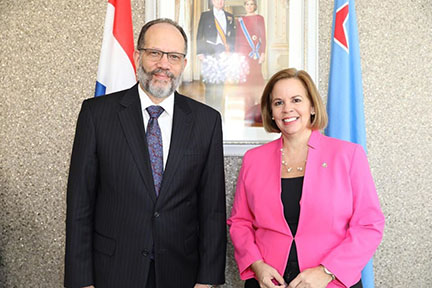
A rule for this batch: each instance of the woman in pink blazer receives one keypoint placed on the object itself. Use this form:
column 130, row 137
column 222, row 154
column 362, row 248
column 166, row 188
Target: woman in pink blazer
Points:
column 306, row 212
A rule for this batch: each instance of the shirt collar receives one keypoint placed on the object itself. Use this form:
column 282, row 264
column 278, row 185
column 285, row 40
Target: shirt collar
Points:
column 167, row 104
column 218, row 12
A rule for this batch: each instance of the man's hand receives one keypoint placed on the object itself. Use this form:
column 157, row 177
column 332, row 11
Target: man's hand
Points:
column 267, row 275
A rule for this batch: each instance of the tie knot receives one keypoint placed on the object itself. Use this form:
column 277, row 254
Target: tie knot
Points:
column 155, row 111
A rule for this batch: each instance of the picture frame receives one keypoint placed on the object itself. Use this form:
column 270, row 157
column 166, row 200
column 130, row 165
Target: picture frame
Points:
column 291, row 40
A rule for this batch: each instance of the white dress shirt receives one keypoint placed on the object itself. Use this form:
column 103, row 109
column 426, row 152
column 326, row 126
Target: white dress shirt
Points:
column 220, row 16
column 165, row 119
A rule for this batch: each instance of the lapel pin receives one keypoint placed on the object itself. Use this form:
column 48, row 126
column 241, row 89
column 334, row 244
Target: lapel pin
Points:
column 324, row 165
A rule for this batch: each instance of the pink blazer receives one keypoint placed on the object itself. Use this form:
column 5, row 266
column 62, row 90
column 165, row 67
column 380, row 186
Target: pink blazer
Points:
column 341, row 223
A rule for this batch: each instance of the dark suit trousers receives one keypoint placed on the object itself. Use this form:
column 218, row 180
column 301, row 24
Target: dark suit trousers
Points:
column 151, row 280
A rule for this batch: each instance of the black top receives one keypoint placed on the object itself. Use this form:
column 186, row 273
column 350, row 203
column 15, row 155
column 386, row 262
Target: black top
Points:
column 291, row 194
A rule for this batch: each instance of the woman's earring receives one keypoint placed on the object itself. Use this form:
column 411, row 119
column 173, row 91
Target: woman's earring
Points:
column 272, row 118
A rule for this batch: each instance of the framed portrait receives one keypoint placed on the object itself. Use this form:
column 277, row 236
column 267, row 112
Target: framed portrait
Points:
column 234, row 47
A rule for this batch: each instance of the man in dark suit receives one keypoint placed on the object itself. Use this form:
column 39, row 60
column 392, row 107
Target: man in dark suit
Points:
column 216, row 34
column 130, row 222
column 209, row 40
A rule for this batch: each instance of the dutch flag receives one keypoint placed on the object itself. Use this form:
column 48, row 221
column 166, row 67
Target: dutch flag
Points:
column 116, row 69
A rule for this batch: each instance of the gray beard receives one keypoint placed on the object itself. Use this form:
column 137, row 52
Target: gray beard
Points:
column 145, row 78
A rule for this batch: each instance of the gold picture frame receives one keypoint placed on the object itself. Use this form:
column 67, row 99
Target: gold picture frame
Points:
column 291, row 31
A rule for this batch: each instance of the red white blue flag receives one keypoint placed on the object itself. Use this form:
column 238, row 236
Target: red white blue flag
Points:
column 116, row 69
column 345, row 95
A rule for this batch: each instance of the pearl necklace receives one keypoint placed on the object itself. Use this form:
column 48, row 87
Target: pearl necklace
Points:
column 290, row 169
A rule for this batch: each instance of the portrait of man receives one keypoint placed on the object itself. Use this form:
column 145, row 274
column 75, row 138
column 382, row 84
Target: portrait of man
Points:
column 215, row 35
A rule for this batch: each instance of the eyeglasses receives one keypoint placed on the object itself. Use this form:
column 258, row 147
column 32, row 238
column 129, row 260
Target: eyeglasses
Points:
column 156, row 55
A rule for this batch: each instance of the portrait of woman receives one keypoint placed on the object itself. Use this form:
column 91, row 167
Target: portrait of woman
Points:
column 251, row 43
column 306, row 212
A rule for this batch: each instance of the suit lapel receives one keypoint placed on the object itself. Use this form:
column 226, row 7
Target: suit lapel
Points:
column 229, row 21
column 311, row 180
column 133, row 127
column 181, row 130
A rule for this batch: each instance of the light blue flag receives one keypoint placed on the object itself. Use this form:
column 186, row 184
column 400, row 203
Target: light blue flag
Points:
column 345, row 94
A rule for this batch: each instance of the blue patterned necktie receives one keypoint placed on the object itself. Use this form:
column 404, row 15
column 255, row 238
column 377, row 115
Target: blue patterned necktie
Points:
column 154, row 141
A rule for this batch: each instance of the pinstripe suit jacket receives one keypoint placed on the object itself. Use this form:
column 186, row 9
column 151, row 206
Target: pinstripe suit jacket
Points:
column 115, row 224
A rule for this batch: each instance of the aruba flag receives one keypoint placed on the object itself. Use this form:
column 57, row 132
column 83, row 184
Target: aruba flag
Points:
column 345, row 92
column 116, row 69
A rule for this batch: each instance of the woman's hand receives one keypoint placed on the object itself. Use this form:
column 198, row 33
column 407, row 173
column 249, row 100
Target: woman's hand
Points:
column 202, row 286
column 266, row 275
column 261, row 58
column 311, row 278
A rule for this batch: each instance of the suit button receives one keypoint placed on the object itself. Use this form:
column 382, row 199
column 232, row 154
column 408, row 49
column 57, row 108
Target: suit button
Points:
column 156, row 214
column 145, row 253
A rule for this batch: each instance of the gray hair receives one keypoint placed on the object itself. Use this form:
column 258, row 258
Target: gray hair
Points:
column 144, row 29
